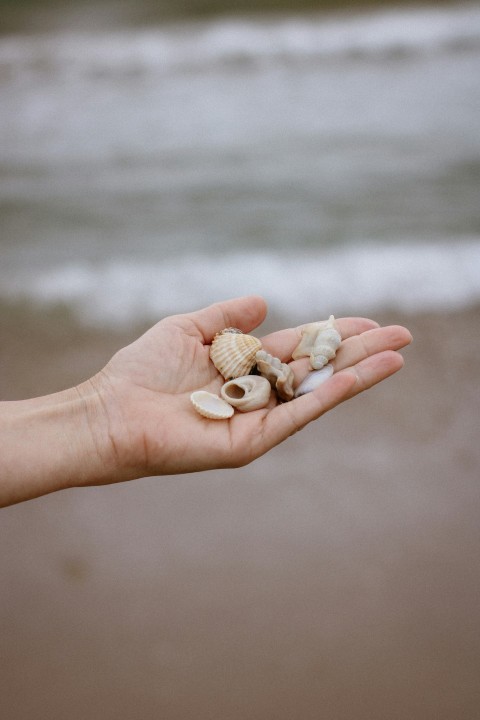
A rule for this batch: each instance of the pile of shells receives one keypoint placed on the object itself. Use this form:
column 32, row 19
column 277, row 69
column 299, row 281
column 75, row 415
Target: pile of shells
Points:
column 251, row 373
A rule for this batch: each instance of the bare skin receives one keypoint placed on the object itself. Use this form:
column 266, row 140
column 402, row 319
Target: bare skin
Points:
column 134, row 418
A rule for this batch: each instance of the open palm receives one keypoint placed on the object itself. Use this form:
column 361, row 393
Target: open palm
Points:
column 146, row 389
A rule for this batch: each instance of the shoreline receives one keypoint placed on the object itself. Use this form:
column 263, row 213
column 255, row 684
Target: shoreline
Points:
column 55, row 15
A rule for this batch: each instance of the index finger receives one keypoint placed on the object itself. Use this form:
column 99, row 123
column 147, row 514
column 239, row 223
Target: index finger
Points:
column 282, row 343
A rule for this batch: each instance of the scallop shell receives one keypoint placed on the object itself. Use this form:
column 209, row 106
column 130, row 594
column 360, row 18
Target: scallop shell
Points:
column 246, row 393
column 211, row 406
column 233, row 353
column 313, row 380
column 320, row 341
column 280, row 375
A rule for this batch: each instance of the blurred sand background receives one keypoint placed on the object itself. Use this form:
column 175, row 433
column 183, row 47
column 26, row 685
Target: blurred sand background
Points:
column 337, row 577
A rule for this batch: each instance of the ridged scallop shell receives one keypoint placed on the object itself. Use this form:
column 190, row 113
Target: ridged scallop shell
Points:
column 280, row 375
column 313, row 380
column 250, row 392
column 233, row 353
column 320, row 341
column 210, row 405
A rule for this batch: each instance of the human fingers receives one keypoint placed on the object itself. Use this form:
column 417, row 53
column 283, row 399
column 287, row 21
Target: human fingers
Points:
column 281, row 344
column 358, row 347
column 288, row 418
column 244, row 313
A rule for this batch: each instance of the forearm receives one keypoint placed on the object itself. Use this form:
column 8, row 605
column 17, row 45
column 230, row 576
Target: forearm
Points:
column 52, row 442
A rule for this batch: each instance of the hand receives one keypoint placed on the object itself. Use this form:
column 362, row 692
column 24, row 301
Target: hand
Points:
column 135, row 418
column 144, row 392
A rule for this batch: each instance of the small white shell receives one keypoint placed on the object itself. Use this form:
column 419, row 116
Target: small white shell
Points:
column 280, row 375
column 233, row 353
column 313, row 380
column 211, row 406
column 320, row 341
column 250, row 392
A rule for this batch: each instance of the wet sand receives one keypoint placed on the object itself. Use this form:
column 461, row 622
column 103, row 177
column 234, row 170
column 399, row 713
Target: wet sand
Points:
column 337, row 577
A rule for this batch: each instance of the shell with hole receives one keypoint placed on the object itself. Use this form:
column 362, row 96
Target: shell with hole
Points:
column 233, row 353
column 250, row 392
column 280, row 375
column 210, row 405
column 320, row 341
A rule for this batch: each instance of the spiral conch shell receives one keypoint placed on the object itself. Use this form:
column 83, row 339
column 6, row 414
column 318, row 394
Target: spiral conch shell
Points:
column 280, row 375
column 210, row 405
column 320, row 341
column 250, row 392
column 233, row 353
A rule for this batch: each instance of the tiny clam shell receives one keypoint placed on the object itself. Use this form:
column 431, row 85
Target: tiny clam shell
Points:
column 233, row 353
column 211, row 406
column 250, row 392
column 313, row 380
column 280, row 375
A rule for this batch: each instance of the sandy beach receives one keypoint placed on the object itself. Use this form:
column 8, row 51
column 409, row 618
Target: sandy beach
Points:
column 337, row 577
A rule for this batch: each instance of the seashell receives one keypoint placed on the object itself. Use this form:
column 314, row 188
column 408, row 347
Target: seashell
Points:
column 280, row 375
column 233, row 353
column 313, row 380
column 325, row 346
column 246, row 393
column 305, row 346
column 320, row 341
column 211, row 406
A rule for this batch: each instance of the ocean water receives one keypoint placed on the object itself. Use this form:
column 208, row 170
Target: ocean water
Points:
column 330, row 162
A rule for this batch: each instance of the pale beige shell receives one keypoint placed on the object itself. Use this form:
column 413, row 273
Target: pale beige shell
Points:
column 305, row 346
column 280, row 375
column 320, row 341
column 250, row 392
column 211, row 406
column 233, row 353
column 313, row 380
column 325, row 347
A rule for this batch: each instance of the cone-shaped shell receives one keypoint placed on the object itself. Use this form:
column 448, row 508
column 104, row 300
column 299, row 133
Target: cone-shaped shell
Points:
column 250, row 392
column 211, row 406
column 305, row 346
column 233, row 354
column 325, row 347
column 320, row 341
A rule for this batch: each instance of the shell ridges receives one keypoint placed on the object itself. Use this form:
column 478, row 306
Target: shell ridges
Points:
column 280, row 375
column 233, row 353
column 210, row 405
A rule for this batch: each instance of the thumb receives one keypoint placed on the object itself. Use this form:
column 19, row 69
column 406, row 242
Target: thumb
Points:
column 244, row 313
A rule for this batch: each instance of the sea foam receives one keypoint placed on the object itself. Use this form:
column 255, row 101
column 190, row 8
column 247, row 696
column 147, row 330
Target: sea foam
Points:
column 290, row 38
column 354, row 279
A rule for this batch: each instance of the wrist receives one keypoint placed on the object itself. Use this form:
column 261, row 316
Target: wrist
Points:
column 54, row 442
